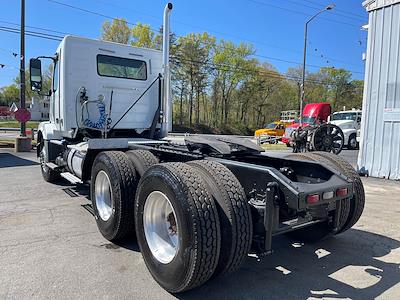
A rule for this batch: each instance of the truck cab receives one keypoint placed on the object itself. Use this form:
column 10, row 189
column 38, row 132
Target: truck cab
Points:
column 272, row 129
column 94, row 83
column 349, row 121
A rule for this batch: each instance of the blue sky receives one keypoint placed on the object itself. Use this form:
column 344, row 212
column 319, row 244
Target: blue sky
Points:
column 275, row 28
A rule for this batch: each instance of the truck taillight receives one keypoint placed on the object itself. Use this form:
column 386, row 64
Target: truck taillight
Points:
column 342, row 192
column 311, row 199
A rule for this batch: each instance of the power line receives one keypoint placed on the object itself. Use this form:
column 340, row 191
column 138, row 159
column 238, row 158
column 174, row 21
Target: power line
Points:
column 2, row 66
column 301, row 13
column 336, row 12
column 337, row 9
column 321, row 55
column 31, row 33
column 9, row 51
column 298, row 63
column 34, row 27
column 34, row 32
column 95, row 13
column 157, row 31
column 226, row 67
column 109, row 17
column 59, row 38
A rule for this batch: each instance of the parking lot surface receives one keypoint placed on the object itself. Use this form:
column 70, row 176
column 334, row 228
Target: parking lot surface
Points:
column 50, row 248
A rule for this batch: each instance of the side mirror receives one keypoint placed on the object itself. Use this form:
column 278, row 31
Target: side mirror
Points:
column 35, row 71
column 358, row 119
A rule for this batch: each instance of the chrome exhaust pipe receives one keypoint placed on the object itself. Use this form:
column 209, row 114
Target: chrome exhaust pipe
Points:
column 166, row 124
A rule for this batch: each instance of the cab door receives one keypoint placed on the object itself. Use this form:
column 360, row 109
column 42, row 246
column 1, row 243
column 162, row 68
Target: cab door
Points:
column 55, row 109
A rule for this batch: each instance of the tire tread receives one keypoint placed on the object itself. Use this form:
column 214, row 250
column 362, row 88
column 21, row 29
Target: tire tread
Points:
column 239, row 214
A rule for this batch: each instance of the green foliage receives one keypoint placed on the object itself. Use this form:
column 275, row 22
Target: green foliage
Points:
column 118, row 31
column 10, row 93
column 140, row 35
column 143, row 36
column 219, row 84
column 219, row 87
column 16, row 124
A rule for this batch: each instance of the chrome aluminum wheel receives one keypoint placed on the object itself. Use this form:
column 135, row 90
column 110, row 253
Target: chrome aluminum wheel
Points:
column 103, row 196
column 42, row 159
column 161, row 227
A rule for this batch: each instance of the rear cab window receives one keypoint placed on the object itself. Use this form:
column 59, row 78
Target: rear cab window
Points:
column 119, row 67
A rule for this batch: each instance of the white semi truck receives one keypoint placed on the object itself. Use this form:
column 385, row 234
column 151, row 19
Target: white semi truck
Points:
column 197, row 209
column 349, row 121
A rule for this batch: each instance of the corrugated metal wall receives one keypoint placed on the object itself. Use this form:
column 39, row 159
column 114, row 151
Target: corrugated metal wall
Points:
column 380, row 130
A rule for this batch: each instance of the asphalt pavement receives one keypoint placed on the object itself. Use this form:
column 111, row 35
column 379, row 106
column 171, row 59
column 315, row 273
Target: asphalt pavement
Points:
column 50, row 248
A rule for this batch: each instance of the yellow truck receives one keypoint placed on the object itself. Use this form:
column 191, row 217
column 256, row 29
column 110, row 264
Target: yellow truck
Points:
column 271, row 132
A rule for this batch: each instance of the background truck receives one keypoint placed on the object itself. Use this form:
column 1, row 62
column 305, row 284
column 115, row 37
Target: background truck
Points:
column 271, row 132
column 349, row 121
column 196, row 210
column 314, row 133
column 313, row 113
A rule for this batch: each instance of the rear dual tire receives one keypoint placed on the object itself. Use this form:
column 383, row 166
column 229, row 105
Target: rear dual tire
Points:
column 114, row 178
column 193, row 222
column 233, row 211
column 142, row 160
column 113, row 187
column 211, row 230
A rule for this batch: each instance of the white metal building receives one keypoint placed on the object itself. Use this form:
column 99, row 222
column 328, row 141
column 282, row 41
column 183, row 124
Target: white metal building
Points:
column 380, row 130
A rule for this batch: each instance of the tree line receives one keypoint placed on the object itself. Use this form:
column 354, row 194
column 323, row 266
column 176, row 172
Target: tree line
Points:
column 219, row 86
column 10, row 94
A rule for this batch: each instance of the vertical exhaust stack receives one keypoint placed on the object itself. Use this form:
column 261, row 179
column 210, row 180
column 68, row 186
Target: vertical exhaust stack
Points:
column 166, row 124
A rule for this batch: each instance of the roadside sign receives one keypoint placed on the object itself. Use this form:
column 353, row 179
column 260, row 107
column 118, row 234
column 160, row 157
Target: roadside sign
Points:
column 23, row 115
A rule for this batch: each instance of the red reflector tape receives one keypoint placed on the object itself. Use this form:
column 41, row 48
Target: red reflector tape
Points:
column 311, row 199
column 342, row 192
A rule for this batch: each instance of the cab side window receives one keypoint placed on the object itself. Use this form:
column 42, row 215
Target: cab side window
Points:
column 55, row 77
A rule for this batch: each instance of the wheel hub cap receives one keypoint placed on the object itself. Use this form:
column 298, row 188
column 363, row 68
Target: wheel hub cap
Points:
column 327, row 141
column 104, row 201
column 161, row 227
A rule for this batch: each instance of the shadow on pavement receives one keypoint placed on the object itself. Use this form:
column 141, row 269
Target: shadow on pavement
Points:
column 8, row 160
column 356, row 265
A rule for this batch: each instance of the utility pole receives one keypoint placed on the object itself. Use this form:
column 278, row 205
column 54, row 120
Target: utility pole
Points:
column 22, row 66
column 303, row 77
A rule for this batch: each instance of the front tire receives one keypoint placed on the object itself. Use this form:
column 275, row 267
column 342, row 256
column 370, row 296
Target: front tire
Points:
column 352, row 143
column 177, row 226
column 112, row 189
column 48, row 174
